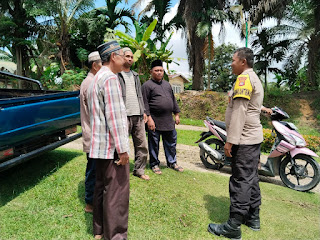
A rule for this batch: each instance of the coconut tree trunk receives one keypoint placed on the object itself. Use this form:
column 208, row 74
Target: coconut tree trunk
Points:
column 19, row 59
column 194, row 43
column 313, row 64
column 313, row 71
column 64, row 48
column 266, row 80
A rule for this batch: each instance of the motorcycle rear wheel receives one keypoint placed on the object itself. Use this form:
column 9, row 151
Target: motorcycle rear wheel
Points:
column 303, row 175
column 211, row 162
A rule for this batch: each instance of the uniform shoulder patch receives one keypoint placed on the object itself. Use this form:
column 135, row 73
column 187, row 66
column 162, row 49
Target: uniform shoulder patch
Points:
column 242, row 87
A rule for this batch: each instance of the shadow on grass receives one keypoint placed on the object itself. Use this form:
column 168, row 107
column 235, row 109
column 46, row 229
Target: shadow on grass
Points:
column 217, row 207
column 81, row 196
column 22, row 177
column 87, row 216
column 273, row 180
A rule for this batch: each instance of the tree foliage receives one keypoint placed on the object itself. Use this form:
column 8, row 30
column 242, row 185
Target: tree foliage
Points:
column 299, row 32
column 221, row 72
column 18, row 27
column 145, row 48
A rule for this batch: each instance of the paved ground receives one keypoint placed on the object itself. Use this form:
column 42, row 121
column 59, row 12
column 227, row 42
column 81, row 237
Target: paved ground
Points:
column 188, row 157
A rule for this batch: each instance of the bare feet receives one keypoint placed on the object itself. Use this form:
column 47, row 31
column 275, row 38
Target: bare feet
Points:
column 98, row 236
column 88, row 208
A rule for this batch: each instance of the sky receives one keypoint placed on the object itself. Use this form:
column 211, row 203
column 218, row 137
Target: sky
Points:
column 178, row 42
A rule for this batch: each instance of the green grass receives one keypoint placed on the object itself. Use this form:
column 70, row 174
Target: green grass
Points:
column 44, row 199
column 306, row 130
column 188, row 137
column 192, row 122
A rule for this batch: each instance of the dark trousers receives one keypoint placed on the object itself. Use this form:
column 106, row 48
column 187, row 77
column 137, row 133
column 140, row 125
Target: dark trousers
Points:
column 111, row 200
column 169, row 139
column 244, row 182
column 90, row 179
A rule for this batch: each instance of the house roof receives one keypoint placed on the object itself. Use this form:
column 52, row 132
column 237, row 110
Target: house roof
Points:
column 9, row 66
column 172, row 76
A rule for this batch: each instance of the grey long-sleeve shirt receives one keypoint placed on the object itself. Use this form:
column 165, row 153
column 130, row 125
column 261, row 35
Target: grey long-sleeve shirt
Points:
column 243, row 111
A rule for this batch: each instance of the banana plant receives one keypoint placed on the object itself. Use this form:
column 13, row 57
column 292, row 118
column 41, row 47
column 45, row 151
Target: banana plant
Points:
column 144, row 48
column 138, row 44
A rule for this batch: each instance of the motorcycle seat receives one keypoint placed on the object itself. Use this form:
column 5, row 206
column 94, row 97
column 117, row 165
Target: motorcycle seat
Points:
column 220, row 124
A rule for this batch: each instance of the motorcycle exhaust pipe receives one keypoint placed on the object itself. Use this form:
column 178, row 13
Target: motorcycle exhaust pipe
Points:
column 211, row 152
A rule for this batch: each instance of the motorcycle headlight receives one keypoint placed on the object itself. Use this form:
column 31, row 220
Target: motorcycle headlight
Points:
column 299, row 142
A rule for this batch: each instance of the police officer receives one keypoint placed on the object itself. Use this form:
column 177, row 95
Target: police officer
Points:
column 243, row 147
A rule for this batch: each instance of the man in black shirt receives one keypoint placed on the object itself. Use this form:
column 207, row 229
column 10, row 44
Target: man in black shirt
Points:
column 160, row 103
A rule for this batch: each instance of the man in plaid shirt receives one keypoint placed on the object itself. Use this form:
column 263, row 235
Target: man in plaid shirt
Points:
column 109, row 147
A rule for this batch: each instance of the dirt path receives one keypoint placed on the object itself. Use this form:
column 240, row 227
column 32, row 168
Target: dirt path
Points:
column 188, row 157
column 307, row 117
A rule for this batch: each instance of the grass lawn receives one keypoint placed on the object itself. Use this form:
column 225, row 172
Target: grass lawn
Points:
column 188, row 137
column 44, row 199
column 192, row 122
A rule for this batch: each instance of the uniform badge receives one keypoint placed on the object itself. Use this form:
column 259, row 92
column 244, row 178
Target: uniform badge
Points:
column 242, row 81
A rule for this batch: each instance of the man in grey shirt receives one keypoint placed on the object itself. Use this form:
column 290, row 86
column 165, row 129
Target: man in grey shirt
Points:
column 132, row 97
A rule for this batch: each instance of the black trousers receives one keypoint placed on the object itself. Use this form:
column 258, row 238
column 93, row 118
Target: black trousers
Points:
column 244, row 182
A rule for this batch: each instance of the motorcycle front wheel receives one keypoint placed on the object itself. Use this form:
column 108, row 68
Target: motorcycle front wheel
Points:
column 209, row 162
column 302, row 174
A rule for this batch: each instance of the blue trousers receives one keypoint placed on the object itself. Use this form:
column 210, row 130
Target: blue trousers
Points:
column 90, row 179
column 169, row 139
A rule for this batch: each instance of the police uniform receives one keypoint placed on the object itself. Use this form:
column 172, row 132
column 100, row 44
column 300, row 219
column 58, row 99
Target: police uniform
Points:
column 245, row 133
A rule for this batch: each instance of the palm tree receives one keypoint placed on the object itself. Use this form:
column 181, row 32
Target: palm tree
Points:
column 159, row 10
column 300, row 29
column 314, row 48
column 90, row 29
column 212, row 15
column 64, row 14
column 187, row 18
column 17, row 28
column 268, row 51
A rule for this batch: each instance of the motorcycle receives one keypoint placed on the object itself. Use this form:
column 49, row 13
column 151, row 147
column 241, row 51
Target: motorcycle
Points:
column 288, row 157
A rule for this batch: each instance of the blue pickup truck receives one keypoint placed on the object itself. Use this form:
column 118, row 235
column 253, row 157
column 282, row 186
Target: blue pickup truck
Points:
column 33, row 120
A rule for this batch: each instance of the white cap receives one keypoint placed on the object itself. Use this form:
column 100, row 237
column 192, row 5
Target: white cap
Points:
column 94, row 56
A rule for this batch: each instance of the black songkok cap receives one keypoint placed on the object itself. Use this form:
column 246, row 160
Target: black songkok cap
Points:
column 107, row 48
column 156, row 63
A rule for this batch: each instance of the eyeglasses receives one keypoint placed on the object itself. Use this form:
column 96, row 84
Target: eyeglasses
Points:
column 121, row 55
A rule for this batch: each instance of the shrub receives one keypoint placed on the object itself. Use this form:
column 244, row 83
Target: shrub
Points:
column 72, row 79
column 268, row 140
column 313, row 142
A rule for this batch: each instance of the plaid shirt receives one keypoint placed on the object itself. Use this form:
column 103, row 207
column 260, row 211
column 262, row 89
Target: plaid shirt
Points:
column 108, row 118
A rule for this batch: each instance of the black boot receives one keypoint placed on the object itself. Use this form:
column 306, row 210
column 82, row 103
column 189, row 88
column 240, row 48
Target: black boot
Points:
column 252, row 220
column 230, row 229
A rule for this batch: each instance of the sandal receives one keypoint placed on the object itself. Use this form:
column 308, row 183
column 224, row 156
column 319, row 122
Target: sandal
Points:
column 144, row 177
column 176, row 167
column 156, row 170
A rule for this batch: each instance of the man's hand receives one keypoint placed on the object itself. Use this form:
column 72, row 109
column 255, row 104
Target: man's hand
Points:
column 124, row 159
column 177, row 118
column 145, row 118
column 227, row 149
column 151, row 125
column 266, row 110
